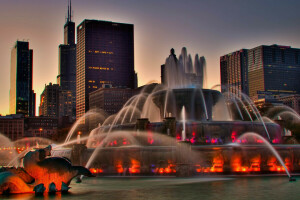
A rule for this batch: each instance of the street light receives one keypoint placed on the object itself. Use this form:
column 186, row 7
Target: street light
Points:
column 41, row 132
column 78, row 137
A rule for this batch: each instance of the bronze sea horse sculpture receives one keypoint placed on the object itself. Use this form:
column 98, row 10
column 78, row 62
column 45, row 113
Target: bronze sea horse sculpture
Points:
column 40, row 171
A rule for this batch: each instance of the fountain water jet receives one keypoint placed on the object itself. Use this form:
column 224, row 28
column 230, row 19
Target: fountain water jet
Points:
column 183, row 118
column 270, row 147
column 86, row 116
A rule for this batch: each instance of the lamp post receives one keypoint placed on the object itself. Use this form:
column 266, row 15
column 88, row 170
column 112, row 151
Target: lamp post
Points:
column 41, row 132
column 78, row 137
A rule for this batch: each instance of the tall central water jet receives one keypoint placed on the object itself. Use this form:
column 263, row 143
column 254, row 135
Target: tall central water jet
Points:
column 183, row 117
column 182, row 72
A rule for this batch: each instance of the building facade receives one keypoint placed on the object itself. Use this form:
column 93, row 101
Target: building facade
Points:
column 105, row 55
column 21, row 95
column 292, row 101
column 273, row 72
column 17, row 126
column 66, row 78
column 49, row 103
column 109, row 99
column 12, row 126
column 41, row 126
column 234, row 72
column 66, row 108
column 264, row 72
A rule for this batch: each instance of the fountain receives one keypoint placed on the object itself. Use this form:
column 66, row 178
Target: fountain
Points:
column 183, row 135
column 176, row 128
column 208, row 122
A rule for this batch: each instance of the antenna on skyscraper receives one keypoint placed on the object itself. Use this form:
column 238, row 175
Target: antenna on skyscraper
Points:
column 70, row 10
column 68, row 18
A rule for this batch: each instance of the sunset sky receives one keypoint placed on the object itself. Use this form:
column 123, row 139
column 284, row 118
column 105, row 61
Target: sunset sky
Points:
column 210, row 28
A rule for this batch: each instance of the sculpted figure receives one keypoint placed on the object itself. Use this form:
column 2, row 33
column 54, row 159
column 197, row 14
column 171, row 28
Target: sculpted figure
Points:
column 41, row 170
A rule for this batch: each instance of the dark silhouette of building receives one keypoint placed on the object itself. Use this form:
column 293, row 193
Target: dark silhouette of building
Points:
column 17, row 126
column 264, row 73
column 234, row 70
column 109, row 99
column 273, row 72
column 12, row 126
column 41, row 126
column 293, row 101
column 49, row 104
column 67, row 62
column 21, row 95
column 105, row 55
column 66, row 105
column 56, row 103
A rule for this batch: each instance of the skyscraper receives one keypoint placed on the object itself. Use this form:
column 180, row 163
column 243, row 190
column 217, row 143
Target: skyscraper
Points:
column 234, row 71
column 273, row 72
column 105, row 55
column 67, row 61
column 49, row 104
column 264, row 73
column 21, row 95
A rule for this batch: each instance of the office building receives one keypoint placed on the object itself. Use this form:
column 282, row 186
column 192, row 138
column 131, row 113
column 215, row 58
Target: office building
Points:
column 109, row 99
column 234, row 70
column 66, row 108
column 49, row 103
column 273, row 72
column 66, row 78
column 105, row 55
column 41, row 126
column 292, row 101
column 12, row 126
column 21, row 95
column 270, row 72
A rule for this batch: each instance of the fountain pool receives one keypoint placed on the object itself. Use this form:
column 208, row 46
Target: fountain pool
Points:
column 171, row 188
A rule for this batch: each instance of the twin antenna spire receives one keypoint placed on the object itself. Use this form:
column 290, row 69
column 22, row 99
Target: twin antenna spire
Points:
column 69, row 18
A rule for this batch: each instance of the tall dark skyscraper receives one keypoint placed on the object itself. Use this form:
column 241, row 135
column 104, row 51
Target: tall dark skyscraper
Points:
column 105, row 55
column 270, row 72
column 49, row 104
column 273, row 71
column 67, row 61
column 21, row 95
column 234, row 72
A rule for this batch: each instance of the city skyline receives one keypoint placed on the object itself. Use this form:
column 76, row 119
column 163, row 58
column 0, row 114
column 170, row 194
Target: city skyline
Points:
column 210, row 28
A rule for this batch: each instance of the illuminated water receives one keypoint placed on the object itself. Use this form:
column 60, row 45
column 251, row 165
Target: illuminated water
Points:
column 136, row 188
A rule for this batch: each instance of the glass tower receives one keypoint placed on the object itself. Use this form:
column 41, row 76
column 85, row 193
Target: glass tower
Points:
column 67, row 64
column 234, row 72
column 264, row 72
column 21, row 95
column 105, row 55
column 273, row 72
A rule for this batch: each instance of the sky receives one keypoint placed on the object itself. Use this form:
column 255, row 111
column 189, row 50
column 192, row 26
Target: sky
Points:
column 211, row 28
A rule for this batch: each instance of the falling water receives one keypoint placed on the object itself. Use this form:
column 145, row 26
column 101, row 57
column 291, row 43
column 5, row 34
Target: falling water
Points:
column 74, row 141
column 204, row 103
column 166, row 102
column 238, row 108
column 183, row 117
column 86, row 115
column 270, row 147
column 245, row 108
column 257, row 114
column 128, row 136
column 142, row 95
